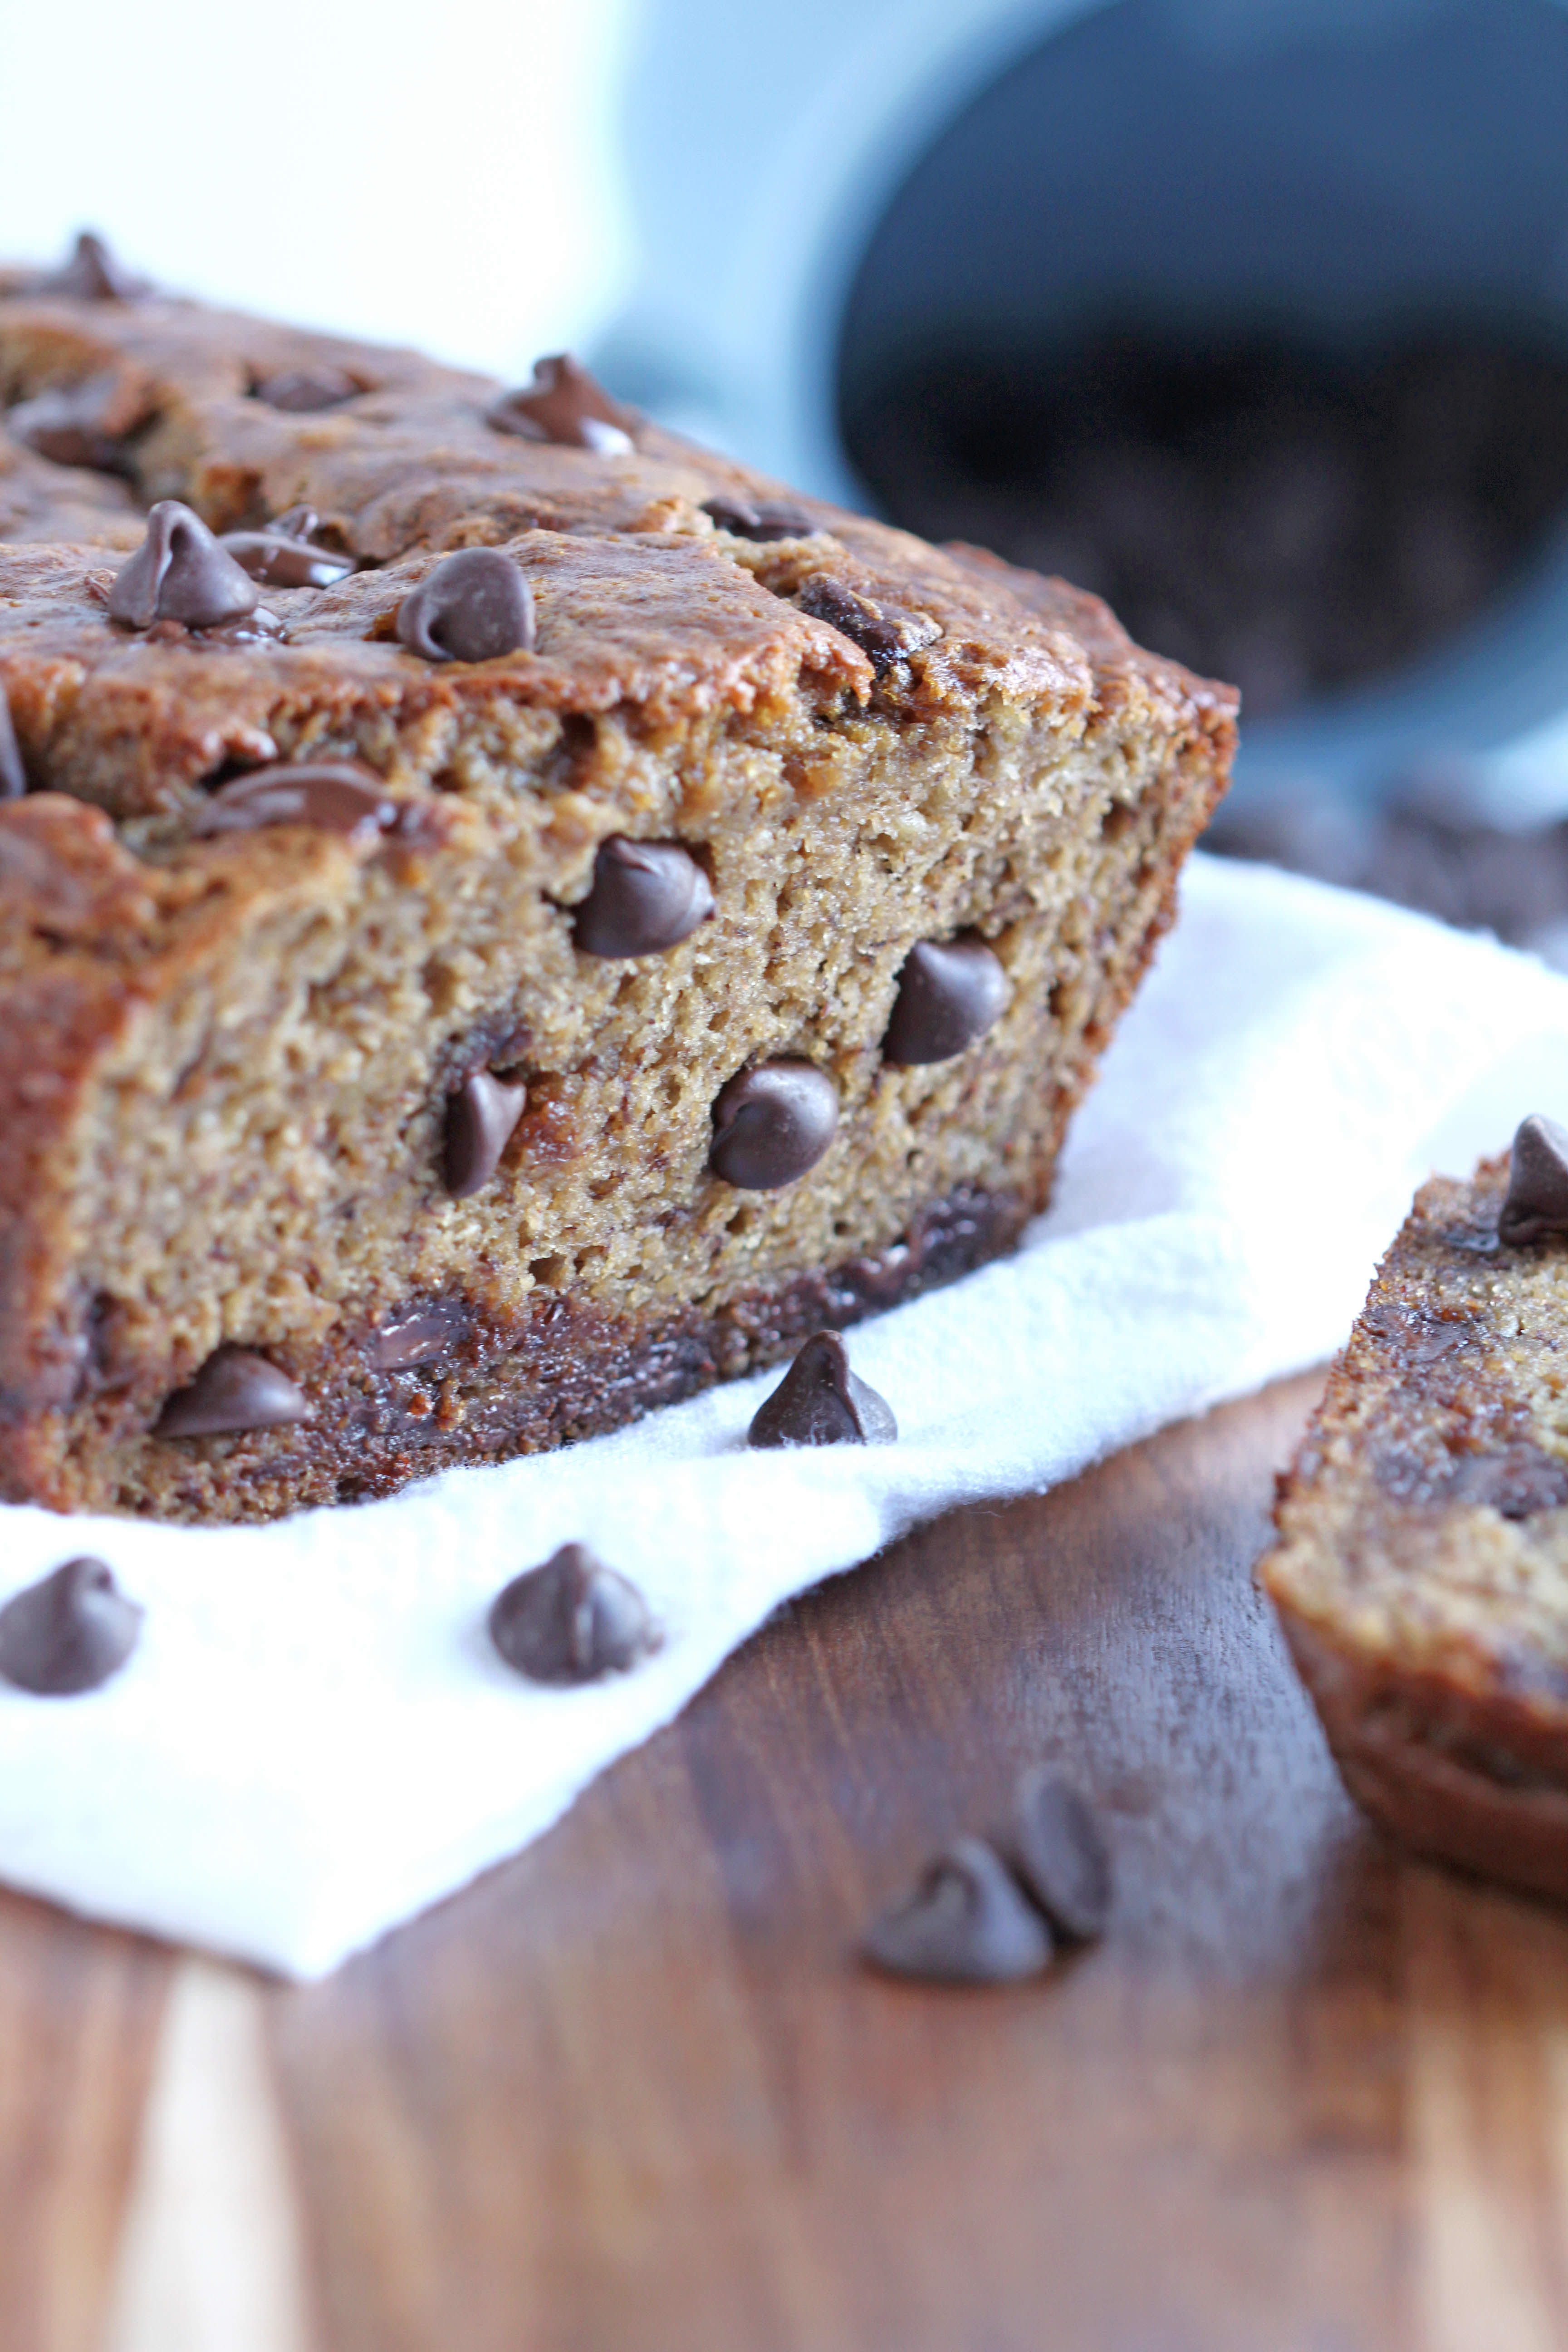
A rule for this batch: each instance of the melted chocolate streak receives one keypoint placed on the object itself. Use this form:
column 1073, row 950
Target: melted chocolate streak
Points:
column 564, row 1371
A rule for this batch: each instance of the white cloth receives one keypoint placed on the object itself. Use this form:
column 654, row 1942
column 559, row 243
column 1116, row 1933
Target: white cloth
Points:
column 314, row 1739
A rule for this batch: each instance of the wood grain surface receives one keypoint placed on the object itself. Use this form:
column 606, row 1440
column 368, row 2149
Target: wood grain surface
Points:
column 633, row 2092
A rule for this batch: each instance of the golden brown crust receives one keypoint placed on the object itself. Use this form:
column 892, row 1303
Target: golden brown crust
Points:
column 227, row 1060
column 1421, row 1573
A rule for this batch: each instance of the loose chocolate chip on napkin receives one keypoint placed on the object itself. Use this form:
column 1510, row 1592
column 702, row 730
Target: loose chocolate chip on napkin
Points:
column 966, row 1922
column 68, row 1633
column 820, row 1401
column 1537, row 1199
column 572, row 1620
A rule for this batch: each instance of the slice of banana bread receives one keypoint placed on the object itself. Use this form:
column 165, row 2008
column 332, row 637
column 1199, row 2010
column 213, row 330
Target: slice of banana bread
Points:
column 1421, row 1573
column 534, row 921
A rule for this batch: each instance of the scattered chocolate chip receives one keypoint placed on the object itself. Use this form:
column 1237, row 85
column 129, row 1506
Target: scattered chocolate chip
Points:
column 68, row 1633
column 885, row 633
column 92, row 275
column 950, row 993
column 646, row 896
column 1537, row 1200
column 234, row 1390
column 71, row 423
column 334, row 795
column 1061, row 1854
column 474, row 606
column 302, row 391
column 1517, row 1481
column 820, row 1401
column 771, row 1124
column 180, row 573
column 572, row 1620
column 763, row 521
column 13, row 775
column 282, row 556
column 417, row 1337
column 565, row 405
column 479, row 1120
column 966, row 1922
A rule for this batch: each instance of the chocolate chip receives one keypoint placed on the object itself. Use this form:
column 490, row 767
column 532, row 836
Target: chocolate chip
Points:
column 966, row 1922
column 235, row 1390
column 71, row 424
column 334, row 795
column 572, row 1620
column 820, row 1401
column 565, row 405
column 68, row 1633
column 1537, row 1200
column 302, row 391
column 646, row 896
column 771, row 1124
column 885, row 633
column 948, row 993
column 283, row 557
column 92, row 275
column 1059, row 1853
column 180, row 573
column 479, row 1119
column 473, row 607
column 419, row 1335
column 13, row 775
column 1517, row 1481
column 763, row 521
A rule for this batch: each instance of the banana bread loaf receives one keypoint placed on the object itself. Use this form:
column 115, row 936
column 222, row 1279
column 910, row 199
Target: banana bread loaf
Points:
column 1421, row 1573
column 530, row 920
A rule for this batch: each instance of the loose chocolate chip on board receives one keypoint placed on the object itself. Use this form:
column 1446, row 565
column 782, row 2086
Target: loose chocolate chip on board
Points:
column 13, row 775
column 885, row 633
column 333, row 795
column 572, row 1620
column 302, row 391
column 966, row 1922
column 69, row 425
column 474, row 606
column 234, row 1391
column 771, row 1124
column 1061, row 1854
column 1537, row 1199
column 92, row 275
column 479, row 1120
column 564, row 403
column 763, row 521
column 180, row 573
column 820, row 1401
column 279, row 559
column 950, row 994
column 68, row 1633
column 646, row 896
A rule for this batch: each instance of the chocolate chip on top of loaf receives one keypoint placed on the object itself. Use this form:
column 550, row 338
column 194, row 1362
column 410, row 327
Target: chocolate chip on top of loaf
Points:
column 479, row 868
column 1421, row 1572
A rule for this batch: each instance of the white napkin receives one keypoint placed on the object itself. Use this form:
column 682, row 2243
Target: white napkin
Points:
column 314, row 1738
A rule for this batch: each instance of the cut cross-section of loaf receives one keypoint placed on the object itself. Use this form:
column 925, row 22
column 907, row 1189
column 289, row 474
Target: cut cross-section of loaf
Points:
column 1421, row 1572
column 414, row 1059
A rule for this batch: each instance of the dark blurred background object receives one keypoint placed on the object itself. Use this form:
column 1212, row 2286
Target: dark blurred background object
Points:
column 1251, row 315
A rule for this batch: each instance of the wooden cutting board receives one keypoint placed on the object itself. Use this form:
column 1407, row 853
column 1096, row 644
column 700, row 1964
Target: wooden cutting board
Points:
column 632, row 2094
